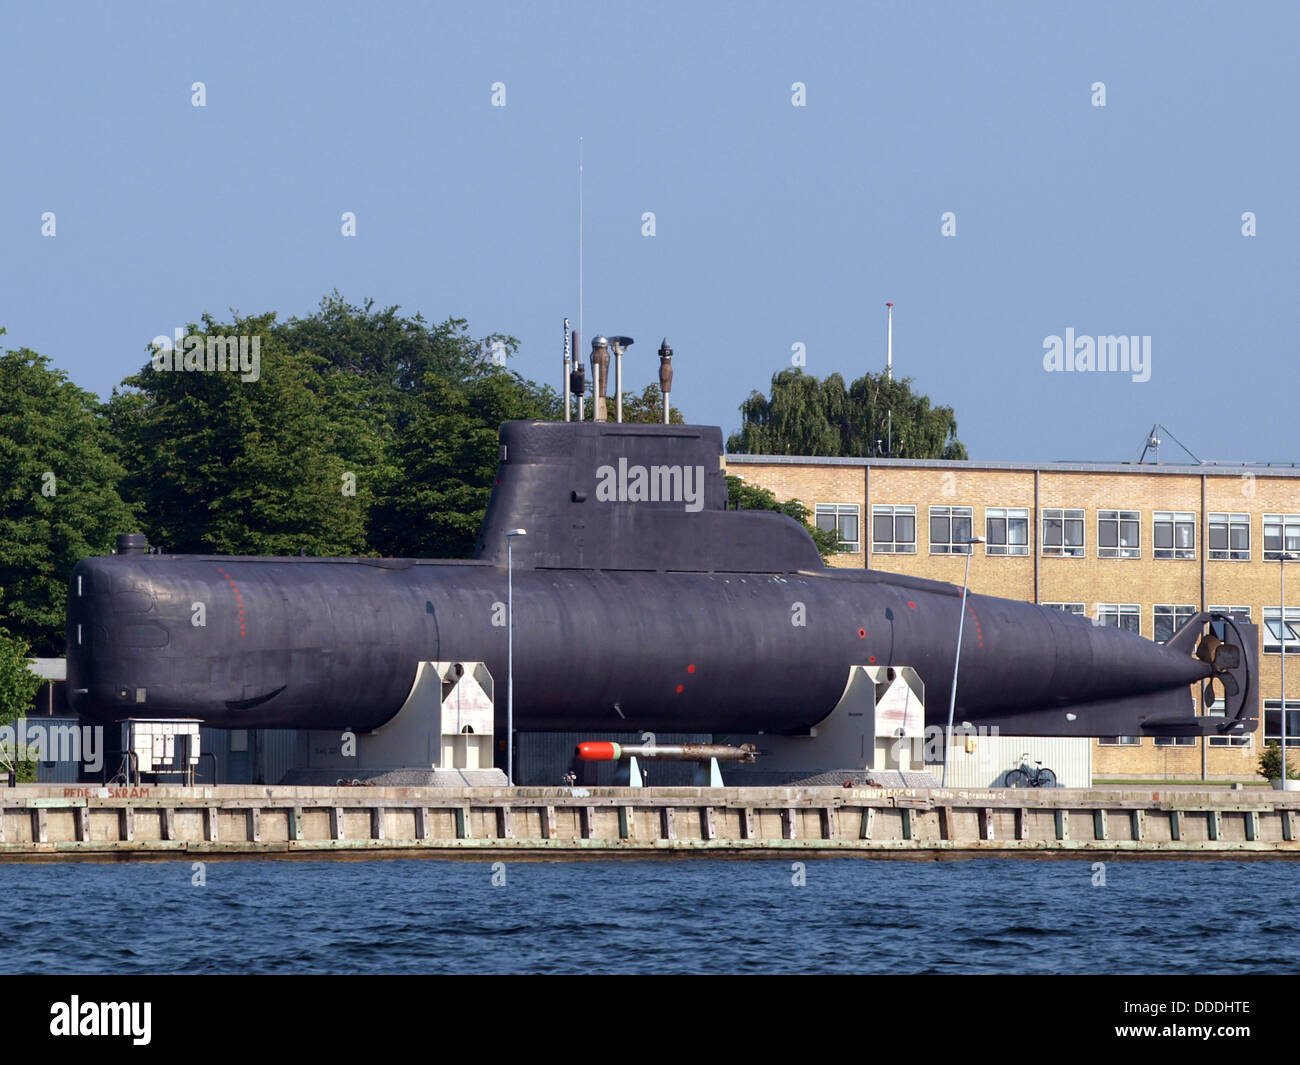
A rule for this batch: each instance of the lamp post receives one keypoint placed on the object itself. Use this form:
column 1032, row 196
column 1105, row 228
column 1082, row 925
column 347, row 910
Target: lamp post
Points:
column 1283, row 558
column 510, row 654
column 961, row 625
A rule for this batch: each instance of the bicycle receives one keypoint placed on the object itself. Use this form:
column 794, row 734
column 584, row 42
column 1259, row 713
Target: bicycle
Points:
column 1030, row 776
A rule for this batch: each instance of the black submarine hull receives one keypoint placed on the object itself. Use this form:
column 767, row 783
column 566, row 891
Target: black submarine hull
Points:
column 628, row 614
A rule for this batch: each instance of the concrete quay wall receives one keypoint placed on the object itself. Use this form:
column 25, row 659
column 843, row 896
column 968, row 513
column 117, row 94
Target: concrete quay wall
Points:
column 59, row 822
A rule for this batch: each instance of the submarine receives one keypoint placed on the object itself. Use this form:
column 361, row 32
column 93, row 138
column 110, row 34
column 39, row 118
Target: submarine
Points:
column 640, row 601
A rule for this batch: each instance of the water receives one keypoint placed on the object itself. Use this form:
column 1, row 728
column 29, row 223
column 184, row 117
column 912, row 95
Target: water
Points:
column 851, row 916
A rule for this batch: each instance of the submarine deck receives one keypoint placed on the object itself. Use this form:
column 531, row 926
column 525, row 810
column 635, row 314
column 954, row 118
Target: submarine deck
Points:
column 42, row 822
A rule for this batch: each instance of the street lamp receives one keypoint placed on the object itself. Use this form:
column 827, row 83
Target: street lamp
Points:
column 510, row 654
column 1283, row 558
column 961, row 624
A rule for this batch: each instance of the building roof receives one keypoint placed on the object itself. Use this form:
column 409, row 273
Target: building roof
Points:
column 1210, row 469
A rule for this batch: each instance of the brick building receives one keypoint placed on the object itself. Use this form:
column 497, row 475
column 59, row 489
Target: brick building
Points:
column 1139, row 546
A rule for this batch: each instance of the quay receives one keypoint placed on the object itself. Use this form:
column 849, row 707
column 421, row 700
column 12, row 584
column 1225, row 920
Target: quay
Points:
column 44, row 822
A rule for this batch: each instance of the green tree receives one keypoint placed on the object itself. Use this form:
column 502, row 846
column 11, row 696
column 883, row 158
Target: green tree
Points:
column 18, row 684
column 648, row 407
column 872, row 416
column 18, row 688
column 273, row 465
column 396, row 356
column 59, row 499
column 349, row 398
column 1270, row 763
column 383, row 345
column 443, row 464
column 742, row 496
column 437, row 396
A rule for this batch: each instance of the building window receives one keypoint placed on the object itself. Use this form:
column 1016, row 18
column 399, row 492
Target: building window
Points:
column 1173, row 534
column 1275, row 633
column 1175, row 741
column 950, row 528
column 1120, row 741
column 1119, row 534
column 1281, row 533
column 1007, row 530
column 1063, row 533
column 1169, row 619
column 1273, row 723
column 1068, row 608
column 1238, row 611
column 893, row 530
column 1214, row 708
column 841, row 518
column 1121, row 616
column 1230, row 537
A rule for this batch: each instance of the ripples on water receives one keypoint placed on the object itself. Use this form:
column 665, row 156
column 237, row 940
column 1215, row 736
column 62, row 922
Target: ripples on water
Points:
column 852, row 916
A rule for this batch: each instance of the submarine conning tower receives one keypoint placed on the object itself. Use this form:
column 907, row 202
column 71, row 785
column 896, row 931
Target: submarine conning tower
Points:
column 629, row 496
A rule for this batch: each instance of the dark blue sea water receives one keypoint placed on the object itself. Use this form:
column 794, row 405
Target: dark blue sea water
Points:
column 849, row 916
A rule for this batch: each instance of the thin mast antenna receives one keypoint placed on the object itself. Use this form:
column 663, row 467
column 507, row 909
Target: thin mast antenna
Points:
column 576, row 355
column 889, row 343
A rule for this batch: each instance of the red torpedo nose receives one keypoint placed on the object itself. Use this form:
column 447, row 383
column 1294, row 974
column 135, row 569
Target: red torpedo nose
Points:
column 598, row 752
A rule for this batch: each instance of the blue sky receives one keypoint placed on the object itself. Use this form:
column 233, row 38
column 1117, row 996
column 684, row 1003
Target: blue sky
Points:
column 775, row 224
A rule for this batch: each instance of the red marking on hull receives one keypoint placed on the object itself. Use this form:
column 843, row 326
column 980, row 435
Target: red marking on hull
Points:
column 239, row 600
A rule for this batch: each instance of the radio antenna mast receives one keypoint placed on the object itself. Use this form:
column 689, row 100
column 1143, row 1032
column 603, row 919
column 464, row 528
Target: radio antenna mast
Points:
column 889, row 343
column 576, row 354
